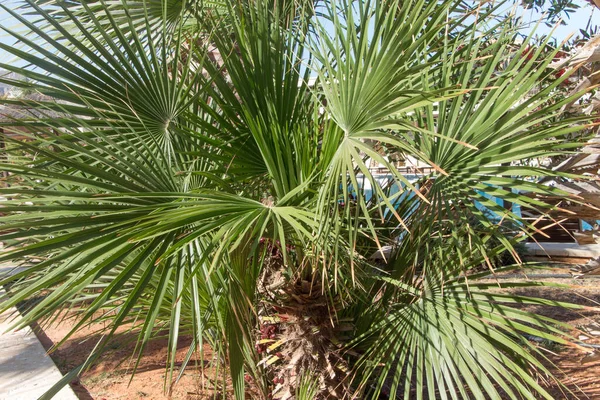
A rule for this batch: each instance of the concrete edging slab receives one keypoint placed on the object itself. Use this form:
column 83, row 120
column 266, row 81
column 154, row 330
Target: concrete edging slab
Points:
column 563, row 249
column 26, row 371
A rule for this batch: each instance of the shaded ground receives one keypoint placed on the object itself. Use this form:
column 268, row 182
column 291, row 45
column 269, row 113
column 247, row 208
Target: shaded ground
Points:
column 110, row 378
column 578, row 368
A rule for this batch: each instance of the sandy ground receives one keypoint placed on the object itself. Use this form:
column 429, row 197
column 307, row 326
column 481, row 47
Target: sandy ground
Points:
column 110, row 378
column 577, row 368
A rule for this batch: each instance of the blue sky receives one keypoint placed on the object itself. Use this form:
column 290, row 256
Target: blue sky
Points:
column 9, row 22
column 576, row 21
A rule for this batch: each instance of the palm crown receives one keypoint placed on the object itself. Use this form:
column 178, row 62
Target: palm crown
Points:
column 204, row 169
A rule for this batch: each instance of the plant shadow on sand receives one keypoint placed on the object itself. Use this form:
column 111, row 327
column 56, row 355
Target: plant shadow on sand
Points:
column 577, row 368
column 110, row 377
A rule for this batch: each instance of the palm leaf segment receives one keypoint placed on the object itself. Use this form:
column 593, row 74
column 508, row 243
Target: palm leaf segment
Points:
column 152, row 192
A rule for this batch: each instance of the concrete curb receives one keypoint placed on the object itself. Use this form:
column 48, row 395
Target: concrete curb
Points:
column 26, row 371
column 563, row 250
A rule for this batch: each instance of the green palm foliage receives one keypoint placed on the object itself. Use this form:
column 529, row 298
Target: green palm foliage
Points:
column 203, row 170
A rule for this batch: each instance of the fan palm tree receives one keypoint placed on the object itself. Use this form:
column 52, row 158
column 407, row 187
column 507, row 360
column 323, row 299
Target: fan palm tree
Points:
column 203, row 169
